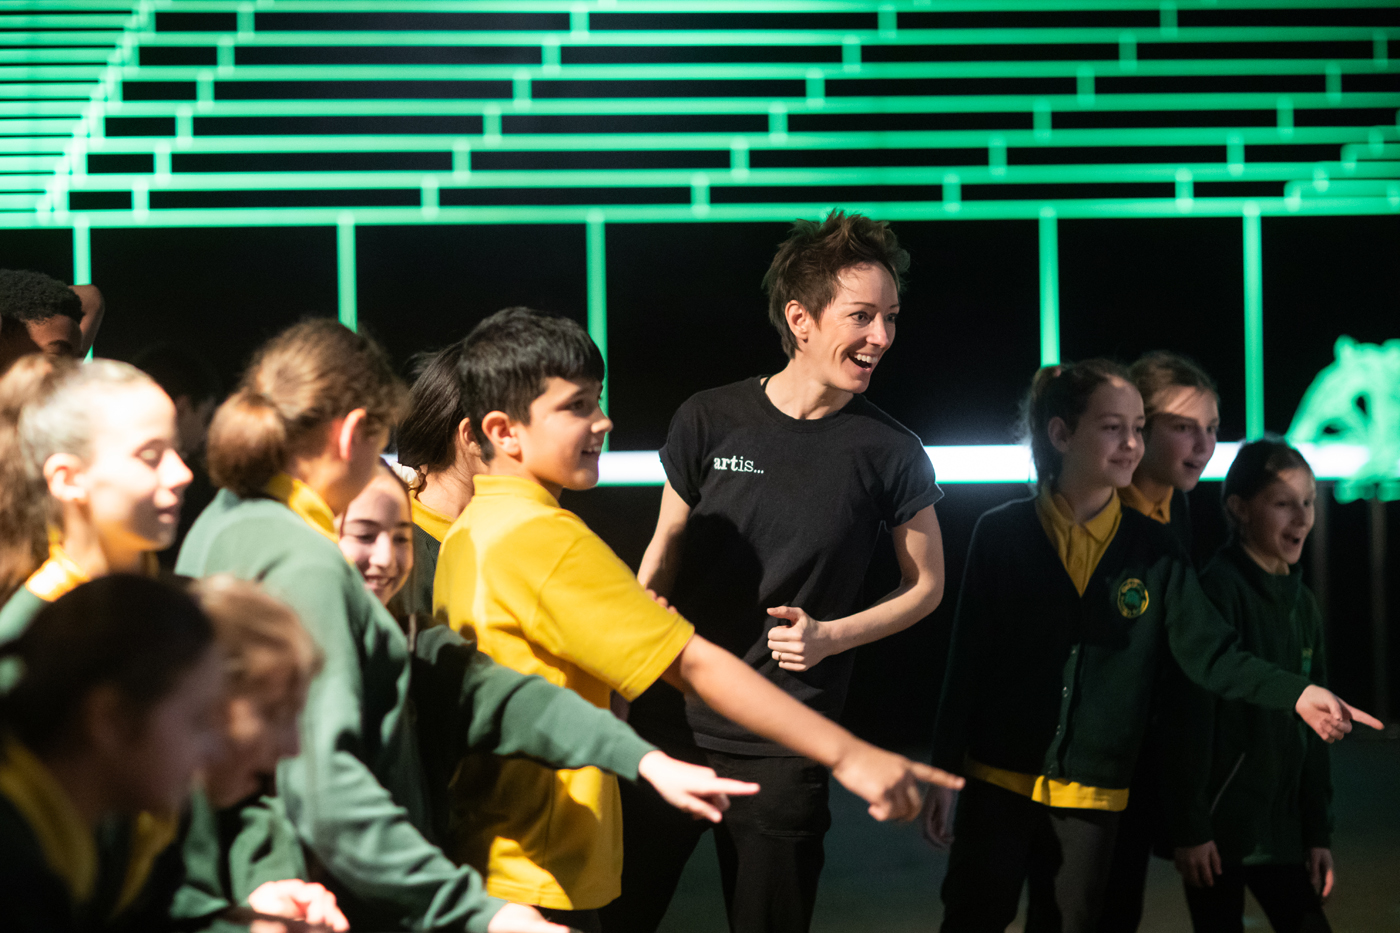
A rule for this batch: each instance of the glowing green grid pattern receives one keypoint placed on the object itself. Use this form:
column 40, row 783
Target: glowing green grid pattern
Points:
column 225, row 112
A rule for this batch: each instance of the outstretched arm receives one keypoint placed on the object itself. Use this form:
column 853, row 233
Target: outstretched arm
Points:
column 888, row 782
column 918, row 546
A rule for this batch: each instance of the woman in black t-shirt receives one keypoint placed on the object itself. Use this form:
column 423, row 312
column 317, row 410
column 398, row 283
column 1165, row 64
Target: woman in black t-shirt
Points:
column 776, row 493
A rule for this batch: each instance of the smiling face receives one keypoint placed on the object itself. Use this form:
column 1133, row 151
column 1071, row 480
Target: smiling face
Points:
column 1105, row 446
column 135, row 480
column 1181, row 437
column 1274, row 522
column 843, row 346
column 376, row 534
column 561, row 445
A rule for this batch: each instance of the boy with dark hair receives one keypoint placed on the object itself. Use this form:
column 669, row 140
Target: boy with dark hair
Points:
column 544, row 595
column 777, row 490
column 38, row 314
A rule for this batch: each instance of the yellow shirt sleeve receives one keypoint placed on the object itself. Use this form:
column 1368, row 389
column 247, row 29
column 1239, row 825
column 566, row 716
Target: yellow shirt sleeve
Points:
column 594, row 613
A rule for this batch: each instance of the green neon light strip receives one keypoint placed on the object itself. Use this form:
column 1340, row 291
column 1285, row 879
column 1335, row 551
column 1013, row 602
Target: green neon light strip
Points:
column 1049, row 289
column 345, row 270
column 1253, row 326
column 1320, row 206
column 597, row 259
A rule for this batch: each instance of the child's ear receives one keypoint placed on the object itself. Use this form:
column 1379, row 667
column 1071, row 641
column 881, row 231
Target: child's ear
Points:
column 499, row 429
column 1235, row 505
column 347, row 432
column 1059, row 434
column 63, row 476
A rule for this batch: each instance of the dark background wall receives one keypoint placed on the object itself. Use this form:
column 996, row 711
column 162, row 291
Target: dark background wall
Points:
column 686, row 312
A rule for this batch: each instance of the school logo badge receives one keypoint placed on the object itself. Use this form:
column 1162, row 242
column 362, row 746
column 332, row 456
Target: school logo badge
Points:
column 1132, row 598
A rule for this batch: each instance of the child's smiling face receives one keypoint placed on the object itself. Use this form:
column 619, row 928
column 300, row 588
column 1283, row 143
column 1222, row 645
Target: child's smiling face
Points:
column 1274, row 522
column 1181, row 439
column 561, row 445
column 1105, row 446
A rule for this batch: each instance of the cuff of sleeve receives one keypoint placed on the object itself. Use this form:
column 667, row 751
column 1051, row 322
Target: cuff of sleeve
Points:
column 478, row 921
column 1283, row 692
column 623, row 755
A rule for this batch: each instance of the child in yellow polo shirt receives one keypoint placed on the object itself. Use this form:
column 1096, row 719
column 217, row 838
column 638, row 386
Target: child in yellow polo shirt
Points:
column 544, row 595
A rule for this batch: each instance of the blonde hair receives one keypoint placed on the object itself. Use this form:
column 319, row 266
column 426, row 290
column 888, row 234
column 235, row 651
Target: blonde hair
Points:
column 300, row 381
column 264, row 643
column 46, row 408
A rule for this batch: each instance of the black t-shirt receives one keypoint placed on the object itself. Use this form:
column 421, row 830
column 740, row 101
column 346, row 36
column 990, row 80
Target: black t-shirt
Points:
column 783, row 512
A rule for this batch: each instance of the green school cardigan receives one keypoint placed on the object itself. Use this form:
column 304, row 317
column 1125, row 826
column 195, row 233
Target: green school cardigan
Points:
column 1044, row 681
column 1256, row 781
column 357, row 795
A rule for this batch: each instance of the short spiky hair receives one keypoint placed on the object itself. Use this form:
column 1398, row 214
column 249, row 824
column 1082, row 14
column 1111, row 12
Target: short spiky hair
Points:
column 33, row 296
column 809, row 263
column 508, row 358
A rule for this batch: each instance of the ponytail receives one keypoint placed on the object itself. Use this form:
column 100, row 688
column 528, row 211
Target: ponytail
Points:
column 1061, row 392
column 298, row 382
column 427, row 436
column 25, row 507
column 247, row 443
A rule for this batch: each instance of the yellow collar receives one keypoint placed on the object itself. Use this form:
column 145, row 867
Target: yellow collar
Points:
column 304, row 501
column 66, row 840
column 56, row 576
column 1157, row 511
column 430, row 520
column 512, row 486
column 1055, row 509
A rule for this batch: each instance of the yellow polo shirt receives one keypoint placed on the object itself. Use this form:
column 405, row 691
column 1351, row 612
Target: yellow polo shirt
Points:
column 544, row 595
column 1160, row 512
column 1081, row 547
column 430, row 520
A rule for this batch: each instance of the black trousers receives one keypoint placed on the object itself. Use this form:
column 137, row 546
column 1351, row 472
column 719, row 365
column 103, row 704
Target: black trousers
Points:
column 769, row 846
column 1138, row 827
column 1003, row 841
column 1284, row 891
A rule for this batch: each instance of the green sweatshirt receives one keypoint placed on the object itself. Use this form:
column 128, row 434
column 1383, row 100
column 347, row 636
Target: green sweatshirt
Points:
column 357, row 794
column 1256, row 781
column 1042, row 680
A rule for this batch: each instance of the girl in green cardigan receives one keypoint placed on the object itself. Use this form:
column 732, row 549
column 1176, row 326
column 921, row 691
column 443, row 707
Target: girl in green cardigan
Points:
column 291, row 448
column 1067, row 604
column 111, row 703
column 1253, row 792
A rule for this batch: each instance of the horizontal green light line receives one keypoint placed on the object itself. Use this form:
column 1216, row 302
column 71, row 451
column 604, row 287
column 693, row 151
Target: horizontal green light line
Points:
column 654, row 213
column 1149, row 136
column 967, row 103
column 1069, row 68
column 640, row 178
column 782, row 6
column 1010, row 35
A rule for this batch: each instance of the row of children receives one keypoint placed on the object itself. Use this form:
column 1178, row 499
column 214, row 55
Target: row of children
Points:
column 421, row 767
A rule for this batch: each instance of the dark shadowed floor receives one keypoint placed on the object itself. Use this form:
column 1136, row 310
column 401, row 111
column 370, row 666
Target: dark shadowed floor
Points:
column 886, row 878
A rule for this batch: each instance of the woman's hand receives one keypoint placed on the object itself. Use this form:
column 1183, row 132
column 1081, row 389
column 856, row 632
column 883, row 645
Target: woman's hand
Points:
column 295, row 899
column 801, row 642
column 691, row 788
column 1324, row 876
column 1199, row 865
